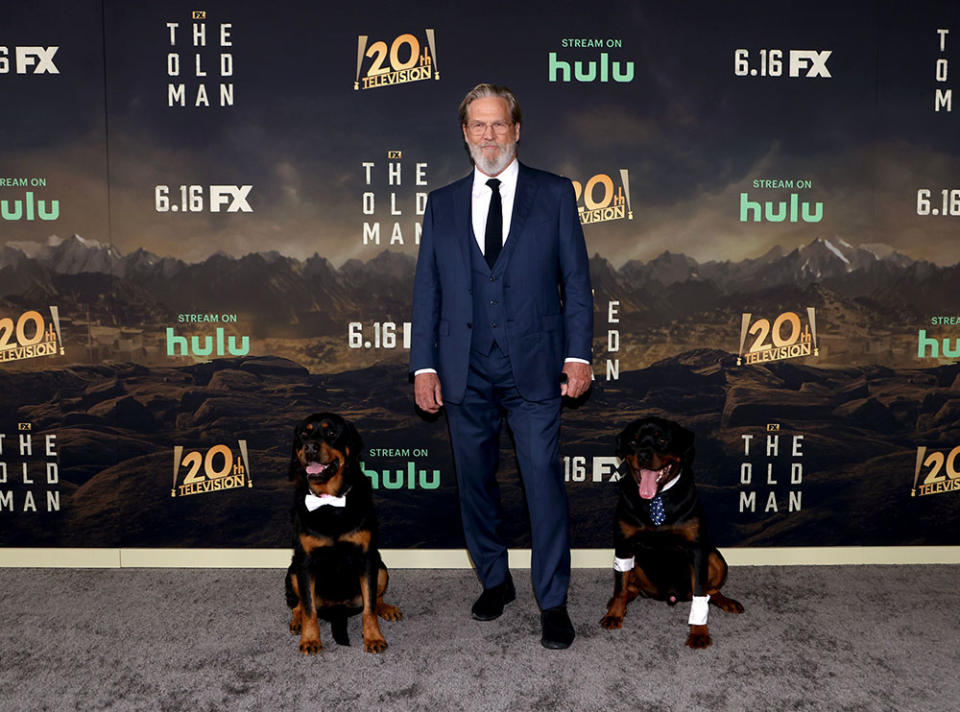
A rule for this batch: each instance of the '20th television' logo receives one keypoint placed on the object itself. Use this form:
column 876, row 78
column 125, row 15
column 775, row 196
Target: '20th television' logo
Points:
column 943, row 475
column 600, row 200
column 788, row 337
column 400, row 63
column 216, row 469
column 30, row 336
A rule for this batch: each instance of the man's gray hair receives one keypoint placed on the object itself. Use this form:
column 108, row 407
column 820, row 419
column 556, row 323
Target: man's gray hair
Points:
column 484, row 90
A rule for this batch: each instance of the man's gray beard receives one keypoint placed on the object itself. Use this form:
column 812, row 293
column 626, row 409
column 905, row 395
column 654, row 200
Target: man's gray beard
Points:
column 493, row 166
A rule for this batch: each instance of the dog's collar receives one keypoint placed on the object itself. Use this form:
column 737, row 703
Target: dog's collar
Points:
column 671, row 483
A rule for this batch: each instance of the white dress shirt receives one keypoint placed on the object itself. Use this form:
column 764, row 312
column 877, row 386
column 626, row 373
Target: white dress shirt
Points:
column 481, row 200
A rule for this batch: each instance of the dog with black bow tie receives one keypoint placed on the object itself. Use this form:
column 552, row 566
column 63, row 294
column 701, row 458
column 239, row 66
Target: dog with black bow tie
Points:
column 336, row 570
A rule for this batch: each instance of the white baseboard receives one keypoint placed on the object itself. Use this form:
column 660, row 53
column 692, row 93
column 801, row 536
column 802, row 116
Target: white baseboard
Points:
column 457, row 558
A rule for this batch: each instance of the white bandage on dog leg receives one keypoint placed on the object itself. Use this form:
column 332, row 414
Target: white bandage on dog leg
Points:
column 699, row 610
column 622, row 565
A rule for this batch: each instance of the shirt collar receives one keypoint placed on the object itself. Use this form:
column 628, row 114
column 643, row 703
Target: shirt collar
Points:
column 507, row 178
column 670, row 484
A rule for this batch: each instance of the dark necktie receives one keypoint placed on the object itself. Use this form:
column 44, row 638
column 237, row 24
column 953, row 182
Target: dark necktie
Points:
column 493, row 237
column 657, row 515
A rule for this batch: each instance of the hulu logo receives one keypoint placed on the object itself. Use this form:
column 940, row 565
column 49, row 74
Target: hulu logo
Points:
column 14, row 210
column 411, row 478
column 926, row 344
column 750, row 210
column 587, row 71
column 193, row 348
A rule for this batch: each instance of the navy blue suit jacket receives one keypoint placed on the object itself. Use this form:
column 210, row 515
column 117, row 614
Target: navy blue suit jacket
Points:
column 546, row 278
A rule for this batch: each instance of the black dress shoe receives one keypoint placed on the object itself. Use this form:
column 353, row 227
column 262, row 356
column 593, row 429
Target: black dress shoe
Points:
column 492, row 600
column 558, row 631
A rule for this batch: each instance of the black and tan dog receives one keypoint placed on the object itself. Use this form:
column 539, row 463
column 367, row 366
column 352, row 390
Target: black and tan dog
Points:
column 336, row 570
column 662, row 549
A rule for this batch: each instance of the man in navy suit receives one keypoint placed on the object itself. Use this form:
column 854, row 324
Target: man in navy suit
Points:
column 502, row 325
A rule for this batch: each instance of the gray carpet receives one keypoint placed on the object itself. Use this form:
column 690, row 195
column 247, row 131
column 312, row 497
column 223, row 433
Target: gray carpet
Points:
column 812, row 638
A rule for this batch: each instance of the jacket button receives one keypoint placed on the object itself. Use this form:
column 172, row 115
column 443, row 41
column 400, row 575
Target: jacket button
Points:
column 492, row 278
column 469, row 325
column 493, row 301
column 493, row 325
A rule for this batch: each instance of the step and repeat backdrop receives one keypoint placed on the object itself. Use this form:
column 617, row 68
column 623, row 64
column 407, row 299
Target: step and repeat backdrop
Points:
column 210, row 216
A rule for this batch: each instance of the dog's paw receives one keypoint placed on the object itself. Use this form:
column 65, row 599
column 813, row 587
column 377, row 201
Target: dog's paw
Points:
column 311, row 646
column 389, row 612
column 699, row 637
column 374, row 645
column 733, row 606
column 611, row 622
column 296, row 622
column 727, row 605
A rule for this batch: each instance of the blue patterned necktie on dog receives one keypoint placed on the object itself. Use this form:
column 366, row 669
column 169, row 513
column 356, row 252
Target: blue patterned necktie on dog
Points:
column 657, row 515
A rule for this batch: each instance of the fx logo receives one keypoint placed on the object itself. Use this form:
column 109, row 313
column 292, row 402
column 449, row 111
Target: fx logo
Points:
column 235, row 195
column 40, row 59
column 814, row 62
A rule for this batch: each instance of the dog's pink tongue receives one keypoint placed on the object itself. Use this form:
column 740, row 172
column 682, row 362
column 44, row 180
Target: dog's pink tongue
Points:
column 314, row 468
column 648, row 483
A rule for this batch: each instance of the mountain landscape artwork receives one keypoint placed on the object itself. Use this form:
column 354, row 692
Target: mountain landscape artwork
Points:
column 862, row 406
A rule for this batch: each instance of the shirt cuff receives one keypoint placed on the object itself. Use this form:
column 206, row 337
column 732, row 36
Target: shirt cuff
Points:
column 622, row 565
column 424, row 370
column 571, row 359
column 699, row 610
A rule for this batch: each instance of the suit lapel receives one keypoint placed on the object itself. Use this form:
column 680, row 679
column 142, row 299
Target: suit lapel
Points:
column 463, row 210
column 522, row 203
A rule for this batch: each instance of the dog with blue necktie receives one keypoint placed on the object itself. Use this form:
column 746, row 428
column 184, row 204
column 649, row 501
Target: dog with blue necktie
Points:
column 662, row 549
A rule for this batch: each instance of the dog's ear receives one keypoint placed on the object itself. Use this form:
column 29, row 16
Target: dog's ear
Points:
column 623, row 441
column 683, row 444
column 353, row 443
column 294, row 458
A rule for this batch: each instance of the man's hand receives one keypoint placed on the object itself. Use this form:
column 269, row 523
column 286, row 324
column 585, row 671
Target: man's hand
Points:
column 427, row 392
column 578, row 379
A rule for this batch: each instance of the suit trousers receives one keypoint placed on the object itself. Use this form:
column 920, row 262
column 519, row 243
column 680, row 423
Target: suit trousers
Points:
column 475, row 426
